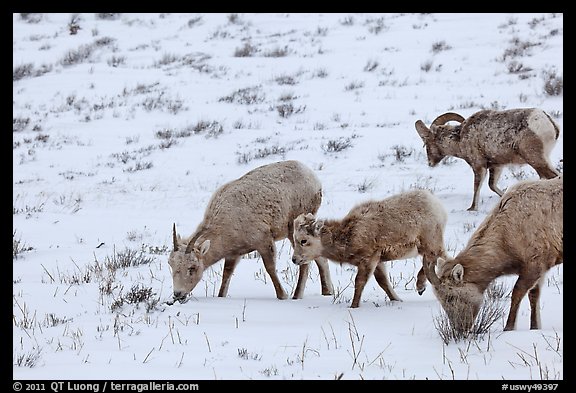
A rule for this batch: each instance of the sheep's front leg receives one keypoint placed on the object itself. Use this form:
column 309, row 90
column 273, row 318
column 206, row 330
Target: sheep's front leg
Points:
column 268, row 255
column 229, row 266
column 523, row 285
column 325, row 279
column 302, row 277
column 479, row 175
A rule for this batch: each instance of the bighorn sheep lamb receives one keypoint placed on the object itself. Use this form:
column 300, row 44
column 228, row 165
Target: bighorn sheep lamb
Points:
column 490, row 140
column 522, row 235
column 399, row 227
column 247, row 214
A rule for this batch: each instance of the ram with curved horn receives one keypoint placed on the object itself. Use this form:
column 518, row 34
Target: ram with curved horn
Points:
column 249, row 214
column 522, row 235
column 490, row 140
column 446, row 117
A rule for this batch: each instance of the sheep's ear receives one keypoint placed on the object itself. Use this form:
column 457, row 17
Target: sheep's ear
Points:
column 422, row 130
column 299, row 221
column 174, row 237
column 318, row 225
column 205, row 247
column 458, row 273
column 438, row 264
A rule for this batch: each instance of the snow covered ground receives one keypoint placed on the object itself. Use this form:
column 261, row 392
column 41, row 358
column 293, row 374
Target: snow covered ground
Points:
column 131, row 123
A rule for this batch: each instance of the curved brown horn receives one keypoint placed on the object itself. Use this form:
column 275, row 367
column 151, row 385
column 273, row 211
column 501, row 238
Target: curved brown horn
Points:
column 430, row 271
column 446, row 117
column 174, row 237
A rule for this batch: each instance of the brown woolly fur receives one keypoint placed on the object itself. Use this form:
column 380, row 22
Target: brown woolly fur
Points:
column 522, row 235
column 490, row 140
column 245, row 215
column 398, row 227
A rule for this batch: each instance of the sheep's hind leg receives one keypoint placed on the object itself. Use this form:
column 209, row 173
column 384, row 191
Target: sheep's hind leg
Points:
column 269, row 258
column 494, row 175
column 382, row 278
column 544, row 170
column 536, row 157
column 534, row 297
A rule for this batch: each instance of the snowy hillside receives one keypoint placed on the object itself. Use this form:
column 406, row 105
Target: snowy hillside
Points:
column 124, row 124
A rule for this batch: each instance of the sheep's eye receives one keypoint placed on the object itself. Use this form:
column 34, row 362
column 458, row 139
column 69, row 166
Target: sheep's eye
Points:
column 303, row 242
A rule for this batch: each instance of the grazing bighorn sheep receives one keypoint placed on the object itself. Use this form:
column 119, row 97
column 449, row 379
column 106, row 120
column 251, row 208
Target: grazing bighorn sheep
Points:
column 399, row 227
column 247, row 214
column 522, row 235
column 490, row 140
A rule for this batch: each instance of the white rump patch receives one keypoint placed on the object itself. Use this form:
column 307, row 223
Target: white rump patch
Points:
column 541, row 125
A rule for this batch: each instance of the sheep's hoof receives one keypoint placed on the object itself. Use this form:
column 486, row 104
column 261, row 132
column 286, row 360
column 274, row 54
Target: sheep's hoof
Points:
column 327, row 290
column 180, row 300
column 421, row 291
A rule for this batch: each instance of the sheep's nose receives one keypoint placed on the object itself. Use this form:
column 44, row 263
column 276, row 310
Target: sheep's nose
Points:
column 294, row 260
column 179, row 295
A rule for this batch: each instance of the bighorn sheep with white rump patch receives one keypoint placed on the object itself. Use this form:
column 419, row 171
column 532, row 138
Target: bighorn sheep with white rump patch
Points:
column 490, row 140
column 398, row 227
column 247, row 214
column 522, row 235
